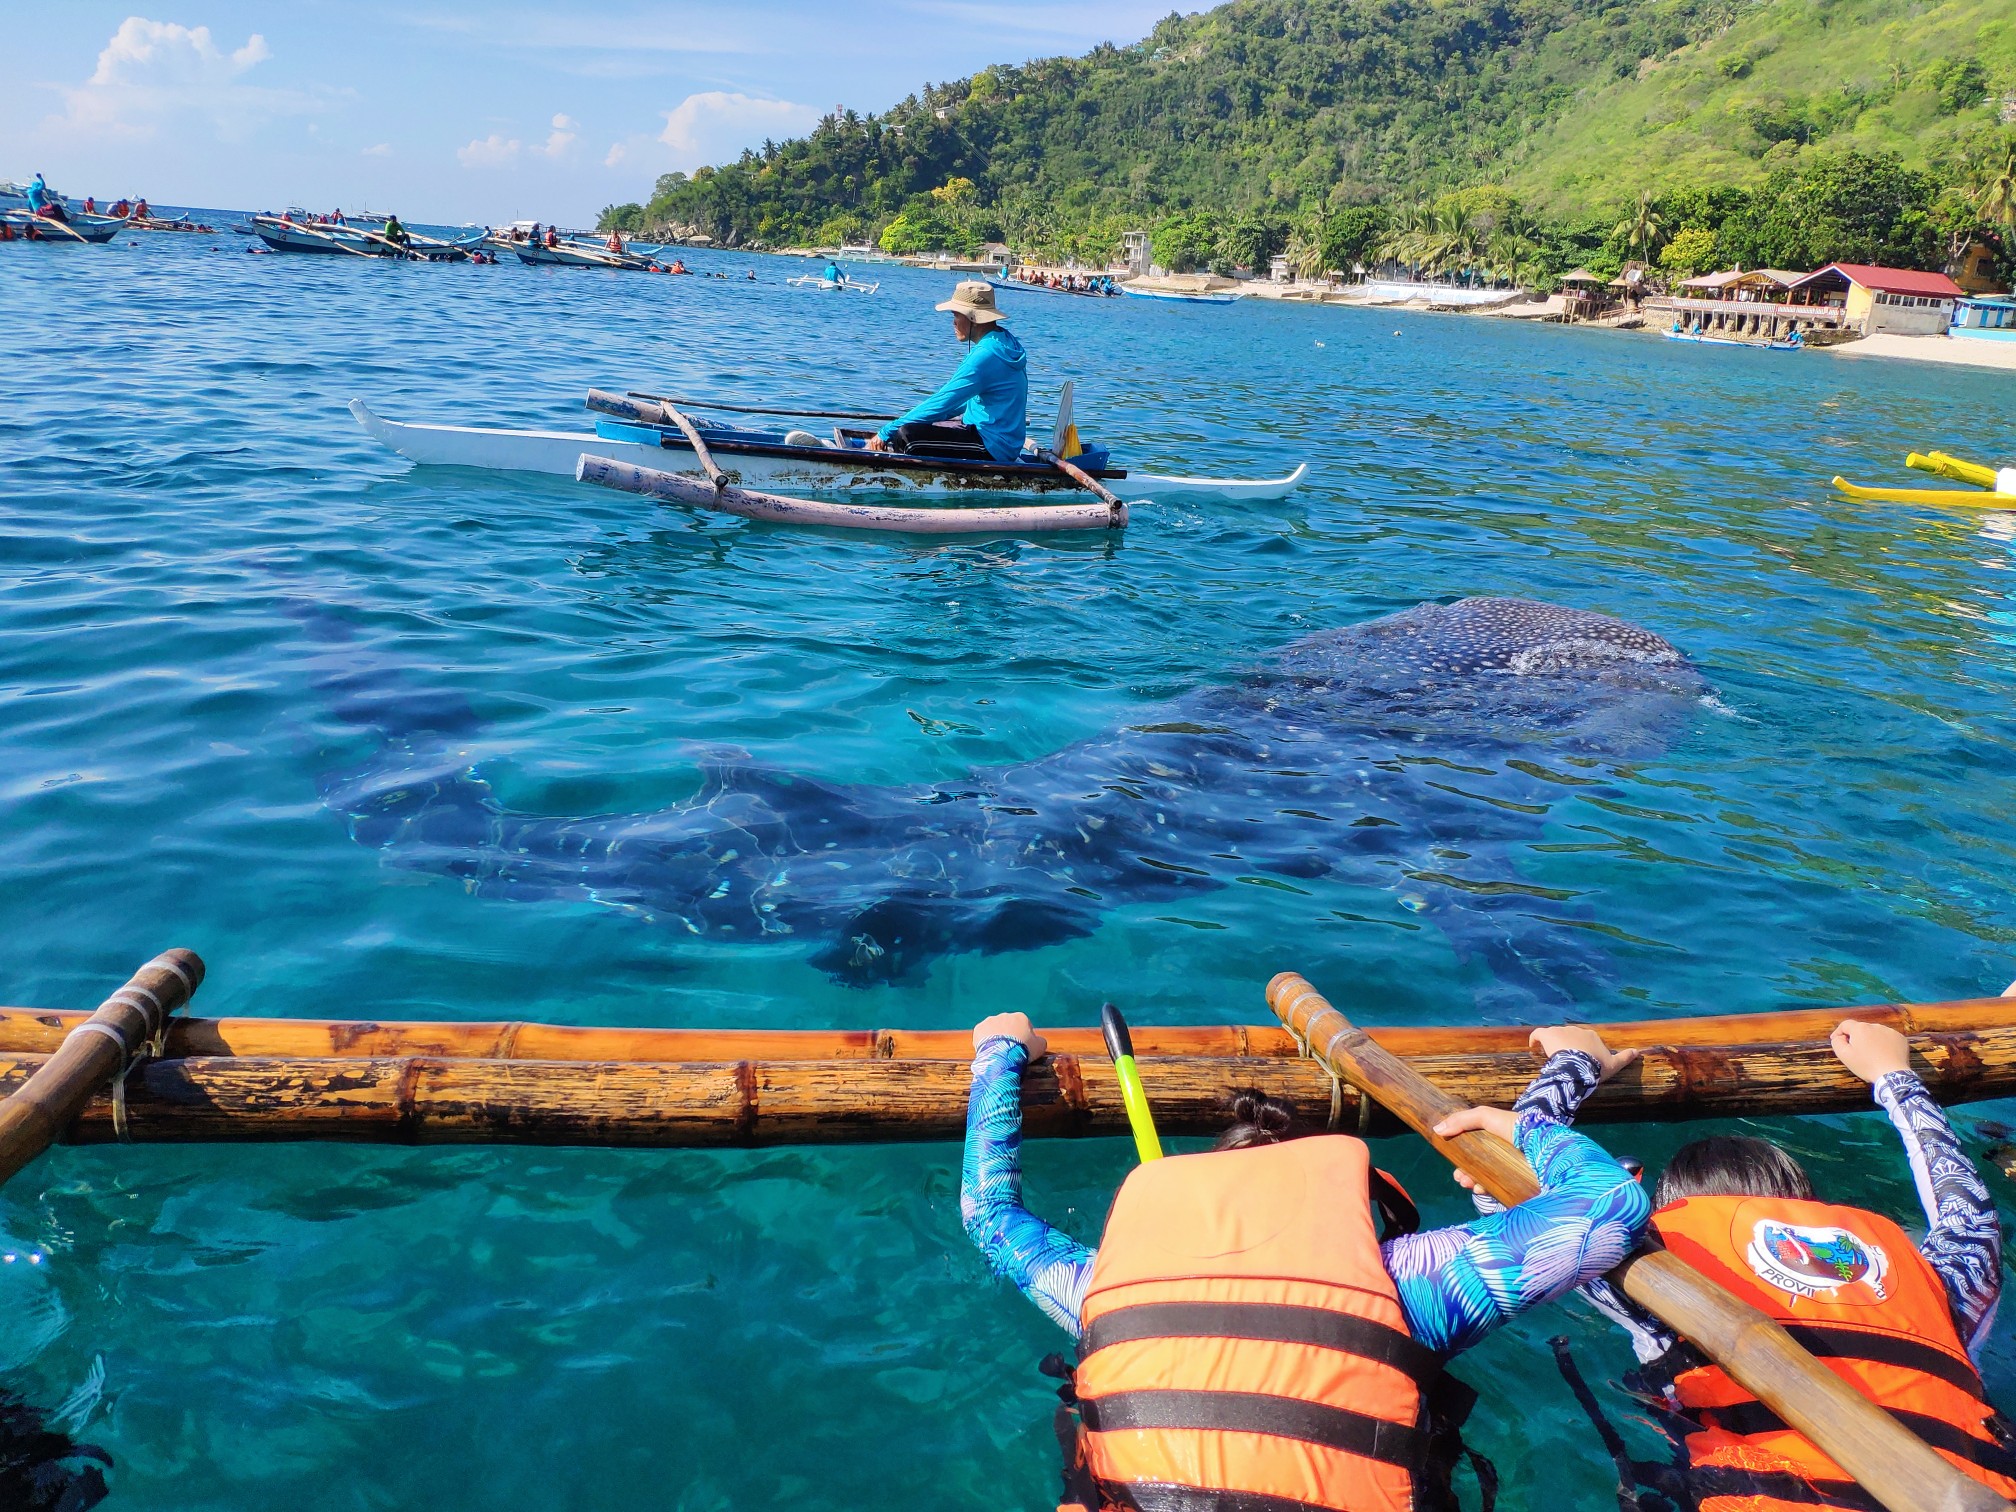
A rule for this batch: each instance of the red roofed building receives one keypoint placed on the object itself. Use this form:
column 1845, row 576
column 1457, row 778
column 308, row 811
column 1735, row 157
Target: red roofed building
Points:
column 1898, row 300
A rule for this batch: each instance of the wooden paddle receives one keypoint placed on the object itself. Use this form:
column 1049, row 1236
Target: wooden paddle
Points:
column 91, row 1055
column 1891, row 1463
column 44, row 222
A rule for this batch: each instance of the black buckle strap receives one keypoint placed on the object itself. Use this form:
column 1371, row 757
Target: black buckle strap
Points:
column 1749, row 1418
column 1155, row 1496
column 1273, row 1322
column 1357, row 1433
column 1888, row 1349
column 1705, row 1481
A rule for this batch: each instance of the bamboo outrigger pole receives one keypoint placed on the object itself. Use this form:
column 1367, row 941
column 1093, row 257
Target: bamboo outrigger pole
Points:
column 1890, row 1462
column 380, row 1090
column 92, row 1054
column 1948, row 1032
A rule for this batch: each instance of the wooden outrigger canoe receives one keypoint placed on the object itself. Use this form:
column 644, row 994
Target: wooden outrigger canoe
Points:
column 767, row 460
column 373, row 1081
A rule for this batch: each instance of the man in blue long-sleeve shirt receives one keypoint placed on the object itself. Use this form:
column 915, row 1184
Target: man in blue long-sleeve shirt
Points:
column 989, row 394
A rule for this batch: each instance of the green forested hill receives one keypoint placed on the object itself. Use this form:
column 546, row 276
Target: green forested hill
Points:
column 1929, row 83
column 1343, row 126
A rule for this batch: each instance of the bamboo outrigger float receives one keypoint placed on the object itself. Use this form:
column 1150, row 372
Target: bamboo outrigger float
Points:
column 390, row 1082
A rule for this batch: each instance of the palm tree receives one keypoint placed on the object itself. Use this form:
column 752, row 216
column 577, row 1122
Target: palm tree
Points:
column 1643, row 229
column 1997, row 204
column 1406, row 239
column 1305, row 247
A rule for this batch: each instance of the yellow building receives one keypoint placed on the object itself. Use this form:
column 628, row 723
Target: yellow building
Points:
column 1900, row 301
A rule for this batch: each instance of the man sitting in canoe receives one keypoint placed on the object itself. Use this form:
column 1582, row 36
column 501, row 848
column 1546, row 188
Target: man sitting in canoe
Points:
column 989, row 393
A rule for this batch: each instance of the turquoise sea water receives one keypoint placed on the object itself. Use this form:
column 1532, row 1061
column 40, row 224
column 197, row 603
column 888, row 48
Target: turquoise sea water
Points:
column 185, row 500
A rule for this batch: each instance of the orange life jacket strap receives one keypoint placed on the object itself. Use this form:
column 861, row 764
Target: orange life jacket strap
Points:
column 1275, row 1322
column 1150, row 1496
column 1253, row 1412
column 1754, row 1417
column 1888, row 1349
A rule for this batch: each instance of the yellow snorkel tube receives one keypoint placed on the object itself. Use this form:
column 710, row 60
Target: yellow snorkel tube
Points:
column 1120, row 1046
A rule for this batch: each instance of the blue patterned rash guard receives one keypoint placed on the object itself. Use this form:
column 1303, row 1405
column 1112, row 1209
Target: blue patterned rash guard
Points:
column 1455, row 1284
column 1963, row 1239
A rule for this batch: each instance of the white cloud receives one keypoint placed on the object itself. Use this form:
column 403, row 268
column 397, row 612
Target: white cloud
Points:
column 152, row 73
column 617, row 152
column 493, row 151
column 383, row 149
column 566, row 132
column 704, row 128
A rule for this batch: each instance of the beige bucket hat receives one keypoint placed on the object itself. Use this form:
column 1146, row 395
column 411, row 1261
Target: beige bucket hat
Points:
column 975, row 301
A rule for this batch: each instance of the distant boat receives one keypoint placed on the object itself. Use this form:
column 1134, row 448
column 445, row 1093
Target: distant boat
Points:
column 1736, row 341
column 1017, row 286
column 832, row 285
column 285, row 234
column 567, row 255
column 1177, row 296
column 78, row 228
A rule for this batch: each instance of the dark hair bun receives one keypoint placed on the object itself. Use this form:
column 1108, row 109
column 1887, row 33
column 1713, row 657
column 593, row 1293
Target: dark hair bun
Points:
column 1257, row 1119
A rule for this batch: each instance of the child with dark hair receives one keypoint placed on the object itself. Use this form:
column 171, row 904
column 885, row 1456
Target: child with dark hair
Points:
column 1897, row 1320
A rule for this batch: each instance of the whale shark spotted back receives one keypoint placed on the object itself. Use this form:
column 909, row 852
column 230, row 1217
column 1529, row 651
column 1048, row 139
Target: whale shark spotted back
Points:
column 1252, row 776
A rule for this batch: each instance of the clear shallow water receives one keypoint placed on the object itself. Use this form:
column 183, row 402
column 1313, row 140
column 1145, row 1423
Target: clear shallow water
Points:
column 185, row 500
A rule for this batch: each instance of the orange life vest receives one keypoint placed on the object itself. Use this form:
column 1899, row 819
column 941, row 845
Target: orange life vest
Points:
column 1244, row 1346
column 1852, row 1288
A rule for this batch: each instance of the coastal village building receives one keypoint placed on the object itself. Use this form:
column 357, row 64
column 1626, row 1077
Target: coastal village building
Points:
column 1878, row 301
column 1974, row 270
column 1771, row 303
column 1988, row 315
column 1584, row 295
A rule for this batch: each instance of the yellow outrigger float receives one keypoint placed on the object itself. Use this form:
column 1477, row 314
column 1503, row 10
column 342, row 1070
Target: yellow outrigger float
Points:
column 2000, row 494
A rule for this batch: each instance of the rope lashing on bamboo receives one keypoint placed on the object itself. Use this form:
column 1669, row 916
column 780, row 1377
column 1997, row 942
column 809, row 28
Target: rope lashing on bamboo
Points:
column 135, row 1020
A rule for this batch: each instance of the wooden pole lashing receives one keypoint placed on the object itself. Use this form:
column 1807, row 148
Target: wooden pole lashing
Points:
column 1890, row 1462
column 92, row 1054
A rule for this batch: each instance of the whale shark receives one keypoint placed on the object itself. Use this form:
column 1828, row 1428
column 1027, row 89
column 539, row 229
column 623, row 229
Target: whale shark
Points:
column 1389, row 752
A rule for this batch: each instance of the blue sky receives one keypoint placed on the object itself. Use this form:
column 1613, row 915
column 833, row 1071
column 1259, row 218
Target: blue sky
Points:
column 472, row 112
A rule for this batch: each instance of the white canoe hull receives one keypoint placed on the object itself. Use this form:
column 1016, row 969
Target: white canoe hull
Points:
column 558, row 453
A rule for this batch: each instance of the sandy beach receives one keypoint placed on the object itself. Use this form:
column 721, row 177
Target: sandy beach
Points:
column 1966, row 351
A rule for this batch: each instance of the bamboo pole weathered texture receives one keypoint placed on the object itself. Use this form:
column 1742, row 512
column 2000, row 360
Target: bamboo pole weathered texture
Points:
column 431, row 1098
column 90, row 1055
column 1889, row 1461
column 38, row 1031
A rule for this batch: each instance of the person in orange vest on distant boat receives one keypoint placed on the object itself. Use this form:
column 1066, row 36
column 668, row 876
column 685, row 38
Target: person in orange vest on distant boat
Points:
column 1897, row 1320
column 615, row 242
column 988, row 393
column 552, row 236
column 1248, row 1339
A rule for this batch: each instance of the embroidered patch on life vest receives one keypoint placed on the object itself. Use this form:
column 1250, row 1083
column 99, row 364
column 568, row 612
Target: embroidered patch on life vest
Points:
column 1809, row 1261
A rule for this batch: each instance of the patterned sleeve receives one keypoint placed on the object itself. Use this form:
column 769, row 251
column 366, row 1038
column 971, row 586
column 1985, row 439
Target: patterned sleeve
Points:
column 1457, row 1284
column 1048, row 1266
column 1964, row 1244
